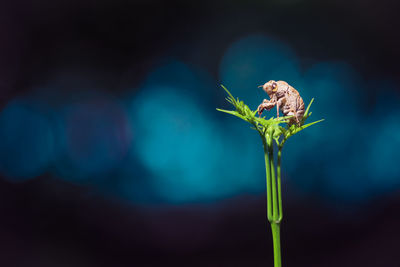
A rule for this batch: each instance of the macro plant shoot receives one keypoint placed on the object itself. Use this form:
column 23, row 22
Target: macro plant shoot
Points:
column 274, row 130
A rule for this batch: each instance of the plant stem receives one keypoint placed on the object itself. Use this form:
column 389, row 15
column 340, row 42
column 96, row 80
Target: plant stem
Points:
column 275, row 210
column 268, row 179
column 274, row 195
column 276, row 238
column 278, row 170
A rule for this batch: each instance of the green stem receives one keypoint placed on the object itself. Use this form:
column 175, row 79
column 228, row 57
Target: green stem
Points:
column 278, row 170
column 274, row 194
column 275, row 211
column 268, row 179
column 276, row 238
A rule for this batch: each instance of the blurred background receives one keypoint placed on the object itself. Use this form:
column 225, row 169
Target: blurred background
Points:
column 112, row 152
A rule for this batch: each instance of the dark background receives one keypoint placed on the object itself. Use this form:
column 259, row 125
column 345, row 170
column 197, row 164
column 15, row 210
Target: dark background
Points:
column 112, row 153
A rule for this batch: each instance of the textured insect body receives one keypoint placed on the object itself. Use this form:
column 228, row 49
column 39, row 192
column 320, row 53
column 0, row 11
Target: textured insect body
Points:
column 285, row 98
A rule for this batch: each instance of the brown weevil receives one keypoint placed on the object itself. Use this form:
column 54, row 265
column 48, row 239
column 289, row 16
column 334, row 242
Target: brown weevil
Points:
column 285, row 98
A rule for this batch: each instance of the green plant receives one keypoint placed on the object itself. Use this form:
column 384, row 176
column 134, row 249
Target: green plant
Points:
column 271, row 130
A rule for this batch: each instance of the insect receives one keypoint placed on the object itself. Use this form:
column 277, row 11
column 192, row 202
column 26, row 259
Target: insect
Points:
column 284, row 97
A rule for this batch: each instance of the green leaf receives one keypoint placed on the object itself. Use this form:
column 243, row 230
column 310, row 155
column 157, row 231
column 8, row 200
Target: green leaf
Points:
column 232, row 112
column 295, row 129
column 308, row 108
column 226, row 90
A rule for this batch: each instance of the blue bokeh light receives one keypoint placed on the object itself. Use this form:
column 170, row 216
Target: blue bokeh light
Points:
column 175, row 142
column 384, row 143
column 168, row 143
column 26, row 141
column 93, row 137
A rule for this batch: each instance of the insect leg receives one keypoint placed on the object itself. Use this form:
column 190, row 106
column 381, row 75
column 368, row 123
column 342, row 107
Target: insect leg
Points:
column 265, row 105
column 278, row 105
column 277, row 111
column 260, row 110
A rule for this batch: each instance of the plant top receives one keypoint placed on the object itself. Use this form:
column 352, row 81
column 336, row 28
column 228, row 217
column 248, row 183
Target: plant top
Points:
column 272, row 128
